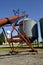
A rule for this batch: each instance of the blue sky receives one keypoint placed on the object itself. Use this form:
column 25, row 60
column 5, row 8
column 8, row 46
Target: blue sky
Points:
column 34, row 8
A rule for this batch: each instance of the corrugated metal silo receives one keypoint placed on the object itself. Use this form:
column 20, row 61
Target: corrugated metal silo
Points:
column 30, row 27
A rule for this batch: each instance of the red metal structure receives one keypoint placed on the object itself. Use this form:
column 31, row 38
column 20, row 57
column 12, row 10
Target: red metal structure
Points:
column 9, row 20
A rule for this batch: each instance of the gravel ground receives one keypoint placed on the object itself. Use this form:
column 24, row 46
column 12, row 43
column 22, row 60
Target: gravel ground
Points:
column 24, row 58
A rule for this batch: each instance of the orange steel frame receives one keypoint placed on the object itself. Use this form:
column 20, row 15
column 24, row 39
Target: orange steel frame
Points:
column 5, row 21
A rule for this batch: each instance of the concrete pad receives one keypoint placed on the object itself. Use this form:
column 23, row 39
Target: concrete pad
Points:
column 23, row 58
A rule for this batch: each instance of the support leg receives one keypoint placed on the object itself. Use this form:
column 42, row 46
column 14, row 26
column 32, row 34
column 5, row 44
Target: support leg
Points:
column 26, row 39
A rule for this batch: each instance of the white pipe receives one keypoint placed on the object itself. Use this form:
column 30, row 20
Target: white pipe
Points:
column 39, row 32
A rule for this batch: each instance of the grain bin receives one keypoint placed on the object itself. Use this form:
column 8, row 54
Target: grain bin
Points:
column 30, row 28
